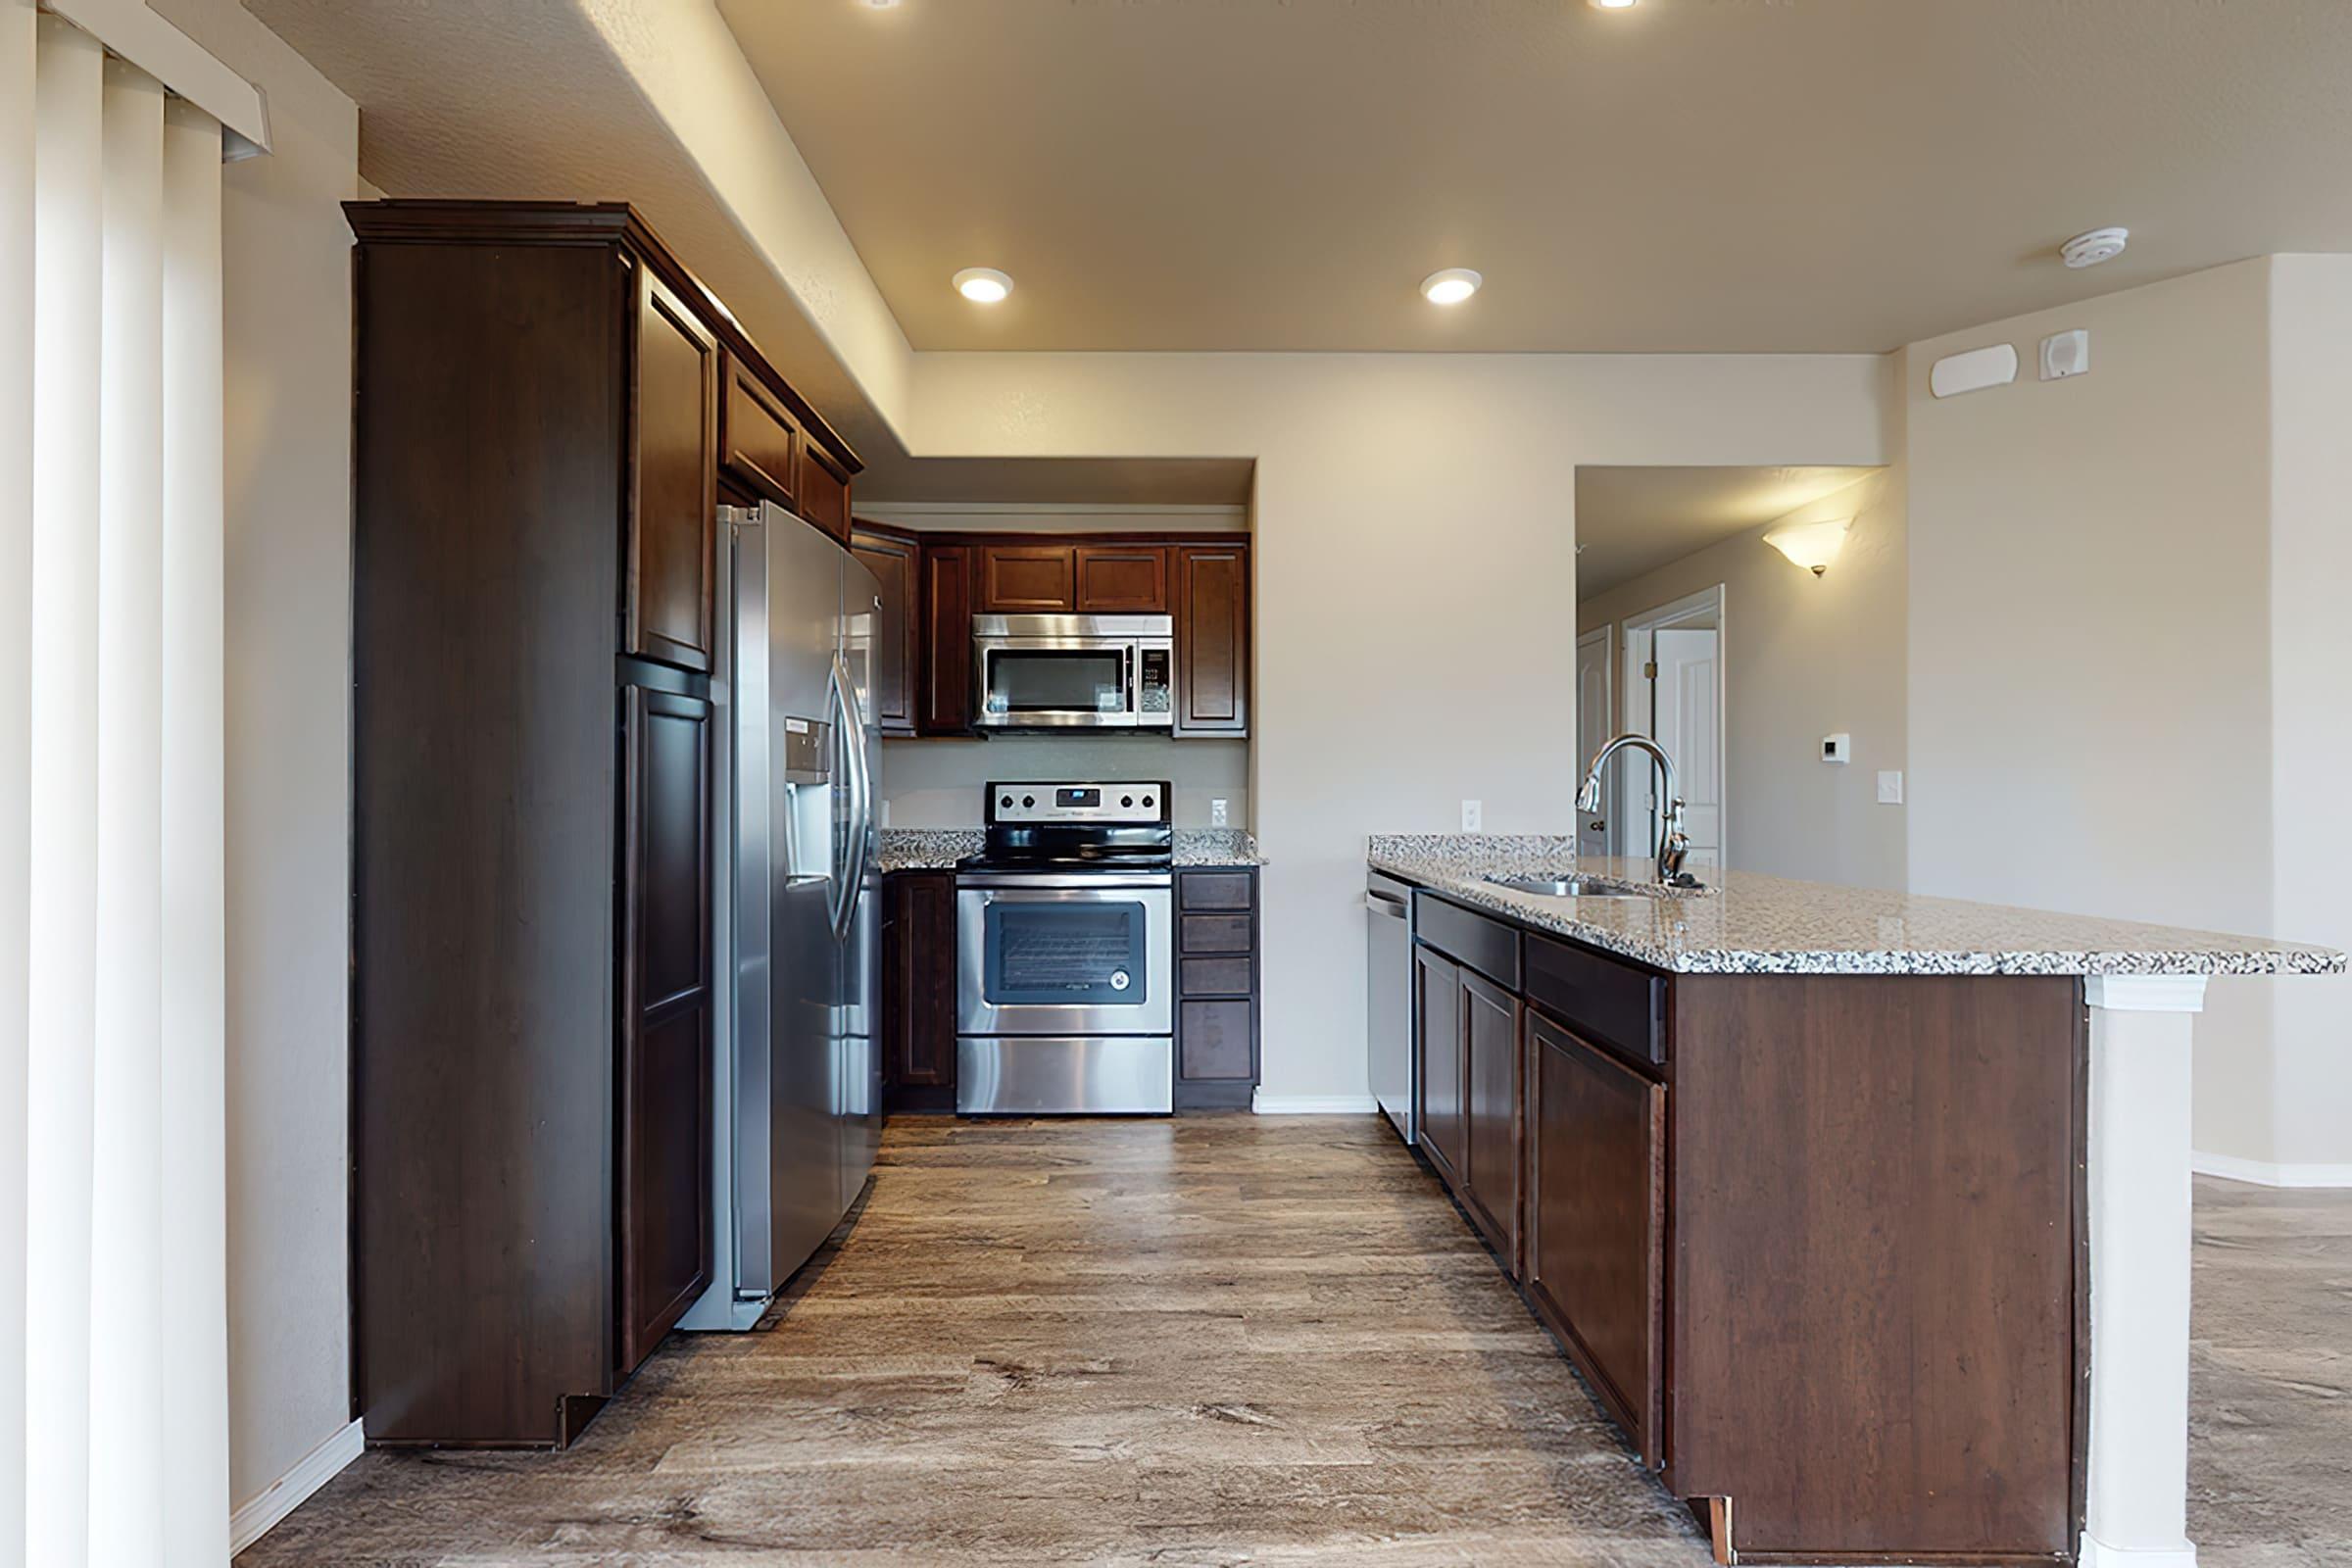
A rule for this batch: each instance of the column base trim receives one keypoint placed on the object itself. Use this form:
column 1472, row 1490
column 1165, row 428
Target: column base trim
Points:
column 2096, row 1554
column 290, row 1491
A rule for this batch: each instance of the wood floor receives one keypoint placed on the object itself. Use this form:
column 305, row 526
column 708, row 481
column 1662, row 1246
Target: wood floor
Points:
column 1220, row 1341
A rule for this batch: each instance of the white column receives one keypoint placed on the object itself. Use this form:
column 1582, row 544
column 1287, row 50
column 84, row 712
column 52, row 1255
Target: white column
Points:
column 128, row 1375
column 18, row 30
column 194, row 1255
column 2137, row 1510
column 67, row 185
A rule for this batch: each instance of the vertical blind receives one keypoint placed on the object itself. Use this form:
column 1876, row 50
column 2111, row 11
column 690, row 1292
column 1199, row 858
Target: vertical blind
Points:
column 113, row 1422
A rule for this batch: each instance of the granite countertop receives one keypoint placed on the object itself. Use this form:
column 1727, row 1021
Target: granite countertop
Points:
column 938, row 849
column 1746, row 924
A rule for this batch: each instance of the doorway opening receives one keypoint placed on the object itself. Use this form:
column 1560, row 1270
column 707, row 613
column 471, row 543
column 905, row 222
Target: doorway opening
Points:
column 1673, row 691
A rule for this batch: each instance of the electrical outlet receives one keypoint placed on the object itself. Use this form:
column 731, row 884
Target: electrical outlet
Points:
column 1473, row 816
column 1890, row 789
column 1217, row 813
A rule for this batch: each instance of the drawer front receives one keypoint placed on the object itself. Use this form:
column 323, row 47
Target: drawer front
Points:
column 1214, row 1040
column 1213, row 890
column 1610, row 1003
column 1214, row 977
column 1216, row 933
column 1489, row 947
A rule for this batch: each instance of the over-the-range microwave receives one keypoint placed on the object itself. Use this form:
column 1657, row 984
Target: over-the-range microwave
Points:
column 1074, row 672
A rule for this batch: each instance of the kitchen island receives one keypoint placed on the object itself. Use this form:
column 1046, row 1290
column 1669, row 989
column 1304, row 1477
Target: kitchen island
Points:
column 1866, row 1215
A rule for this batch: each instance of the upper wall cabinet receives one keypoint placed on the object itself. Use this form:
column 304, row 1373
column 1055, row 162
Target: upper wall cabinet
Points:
column 824, row 488
column 1213, row 639
column 1122, row 579
column 943, row 609
column 674, row 512
column 890, row 554
column 761, row 442
column 1024, row 579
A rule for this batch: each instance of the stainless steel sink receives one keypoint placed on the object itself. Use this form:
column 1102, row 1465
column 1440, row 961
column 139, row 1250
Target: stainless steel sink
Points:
column 1575, row 887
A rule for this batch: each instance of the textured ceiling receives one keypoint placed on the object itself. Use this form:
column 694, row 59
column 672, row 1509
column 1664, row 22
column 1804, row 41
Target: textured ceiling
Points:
column 1633, row 520
column 1687, row 176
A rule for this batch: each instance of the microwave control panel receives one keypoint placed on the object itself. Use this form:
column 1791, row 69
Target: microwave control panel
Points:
column 1156, row 687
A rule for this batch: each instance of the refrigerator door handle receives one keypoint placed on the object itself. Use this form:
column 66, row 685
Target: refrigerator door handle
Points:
column 849, row 731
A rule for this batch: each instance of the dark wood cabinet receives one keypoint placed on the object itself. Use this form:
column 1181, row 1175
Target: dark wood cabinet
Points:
column 1596, row 1258
column 666, row 1044
column 1213, row 639
column 1491, row 1054
column 943, row 630
column 1027, row 579
column 824, row 490
column 890, row 556
column 758, row 441
column 919, row 990
column 673, row 514
column 1438, row 1044
column 1217, row 988
column 536, row 423
column 1122, row 579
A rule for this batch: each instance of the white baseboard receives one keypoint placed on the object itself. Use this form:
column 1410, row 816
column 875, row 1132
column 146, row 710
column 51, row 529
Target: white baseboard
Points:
column 287, row 1493
column 2096, row 1554
column 2263, row 1173
column 1266, row 1105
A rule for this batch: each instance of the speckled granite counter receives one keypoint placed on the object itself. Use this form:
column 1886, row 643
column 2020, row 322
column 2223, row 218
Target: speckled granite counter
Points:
column 1752, row 924
column 938, row 849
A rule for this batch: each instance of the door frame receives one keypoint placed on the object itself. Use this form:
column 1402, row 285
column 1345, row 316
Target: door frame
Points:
column 1604, row 635
column 1633, row 639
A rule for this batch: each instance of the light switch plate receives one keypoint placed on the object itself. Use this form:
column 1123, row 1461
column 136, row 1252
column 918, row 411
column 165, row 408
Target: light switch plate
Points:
column 1473, row 816
column 1890, row 788
column 1216, row 813
column 1837, row 748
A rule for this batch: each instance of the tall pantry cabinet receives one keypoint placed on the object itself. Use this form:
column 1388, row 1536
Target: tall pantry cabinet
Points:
column 541, row 441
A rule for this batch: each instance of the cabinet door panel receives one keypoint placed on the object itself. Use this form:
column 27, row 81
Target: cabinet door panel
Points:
column 1597, row 1196
column 762, row 443
column 666, row 1064
column 1122, row 579
column 1437, row 1041
column 1213, row 639
column 891, row 558
column 918, row 967
column 1213, row 1040
column 1027, row 579
column 674, row 514
column 1491, row 1090
column 824, row 490
column 945, row 607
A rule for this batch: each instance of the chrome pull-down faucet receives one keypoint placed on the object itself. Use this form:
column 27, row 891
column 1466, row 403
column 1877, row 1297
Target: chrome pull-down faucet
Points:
column 1675, row 846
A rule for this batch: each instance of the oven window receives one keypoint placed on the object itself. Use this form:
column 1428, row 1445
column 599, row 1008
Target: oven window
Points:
column 1068, row 955
column 1061, row 680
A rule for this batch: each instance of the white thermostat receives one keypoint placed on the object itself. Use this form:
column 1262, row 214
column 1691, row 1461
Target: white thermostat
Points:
column 1837, row 748
column 2065, row 354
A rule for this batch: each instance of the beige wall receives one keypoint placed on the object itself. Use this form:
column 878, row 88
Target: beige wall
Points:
column 288, row 408
column 1415, row 547
column 937, row 783
column 2090, row 662
column 2311, row 661
column 1803, row 658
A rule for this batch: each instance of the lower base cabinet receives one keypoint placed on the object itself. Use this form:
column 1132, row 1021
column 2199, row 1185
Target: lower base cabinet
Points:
column 1490, row 1079
column 918, row 991
column 1595, row 1260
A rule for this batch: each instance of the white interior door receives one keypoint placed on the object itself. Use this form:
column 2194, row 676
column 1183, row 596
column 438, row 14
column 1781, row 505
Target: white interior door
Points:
column 1595, row 714
column 1683, row 689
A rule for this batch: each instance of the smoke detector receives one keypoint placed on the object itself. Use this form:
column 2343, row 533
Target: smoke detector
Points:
column 2099, row 245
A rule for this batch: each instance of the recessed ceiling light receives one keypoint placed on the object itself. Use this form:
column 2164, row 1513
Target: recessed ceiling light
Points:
column 883, row 5
column 1452, row 286
column 1611, row 4
column 2099, row 245
column 982, row 285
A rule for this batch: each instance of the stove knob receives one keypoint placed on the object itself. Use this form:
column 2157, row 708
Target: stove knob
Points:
column 1126, row 800
column 1146, row 800
column 1004, row 801
column 1028, row 800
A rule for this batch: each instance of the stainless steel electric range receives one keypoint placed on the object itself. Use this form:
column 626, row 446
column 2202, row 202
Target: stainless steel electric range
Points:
column 1065, row 994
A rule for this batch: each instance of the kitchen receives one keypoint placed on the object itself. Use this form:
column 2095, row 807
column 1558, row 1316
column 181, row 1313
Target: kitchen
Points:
column 905, row 869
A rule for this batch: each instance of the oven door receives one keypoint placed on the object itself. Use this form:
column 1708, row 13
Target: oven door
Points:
column 1078, row 954
column 1055, row 683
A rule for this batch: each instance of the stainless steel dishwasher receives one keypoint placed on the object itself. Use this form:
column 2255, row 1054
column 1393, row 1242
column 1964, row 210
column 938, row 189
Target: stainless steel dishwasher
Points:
column 1388, row 1001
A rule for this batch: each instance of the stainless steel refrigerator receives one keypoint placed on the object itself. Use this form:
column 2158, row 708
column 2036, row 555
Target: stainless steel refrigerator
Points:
column 798, row 1095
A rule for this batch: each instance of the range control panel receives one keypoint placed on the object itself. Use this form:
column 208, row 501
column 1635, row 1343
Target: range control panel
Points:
column 1145, row 804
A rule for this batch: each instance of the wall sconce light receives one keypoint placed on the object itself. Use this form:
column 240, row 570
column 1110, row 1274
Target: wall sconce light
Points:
column 1811, row 545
